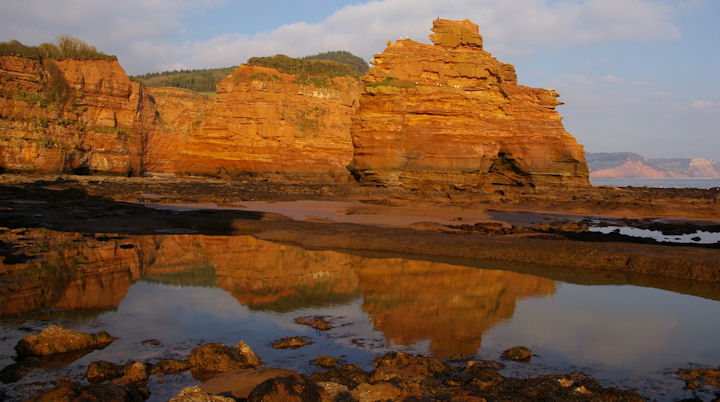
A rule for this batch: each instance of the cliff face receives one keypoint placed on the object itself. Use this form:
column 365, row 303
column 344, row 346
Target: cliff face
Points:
column 264, row 122
column 450, row 116
column 71, row 116
column 428, row 117
column 180, row 116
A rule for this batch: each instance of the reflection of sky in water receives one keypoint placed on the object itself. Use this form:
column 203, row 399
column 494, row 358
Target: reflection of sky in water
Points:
column 625, row 334
column 705, row 237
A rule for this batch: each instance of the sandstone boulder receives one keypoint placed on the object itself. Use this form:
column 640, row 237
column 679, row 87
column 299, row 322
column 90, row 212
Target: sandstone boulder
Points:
column 99, row 371
column 53, row 340
column 240, row 383
column 325, row 361
column 291, row 388
column 454, row 34
column 169, row 366
column 292, row 342
column 218, row 358
column 195, row 394
column 518, row 354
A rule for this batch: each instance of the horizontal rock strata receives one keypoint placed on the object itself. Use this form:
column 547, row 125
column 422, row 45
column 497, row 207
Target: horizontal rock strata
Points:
column 450, row 116
column 80, row 116
column 264, row 122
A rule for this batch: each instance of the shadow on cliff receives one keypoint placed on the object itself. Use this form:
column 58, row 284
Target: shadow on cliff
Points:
column 63, row 206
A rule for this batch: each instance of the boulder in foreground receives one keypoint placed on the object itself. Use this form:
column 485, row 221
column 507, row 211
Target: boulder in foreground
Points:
column 54, row 340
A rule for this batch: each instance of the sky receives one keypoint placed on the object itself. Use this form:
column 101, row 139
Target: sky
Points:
column 635, row 75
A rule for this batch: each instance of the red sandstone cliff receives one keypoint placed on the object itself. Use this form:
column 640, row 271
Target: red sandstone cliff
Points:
column 71, row 115
column 450, row 116
column 264, row 122
column 181, row 113
column 443, row 116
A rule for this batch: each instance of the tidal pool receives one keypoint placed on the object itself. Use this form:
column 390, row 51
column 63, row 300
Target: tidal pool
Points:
column 187, row 290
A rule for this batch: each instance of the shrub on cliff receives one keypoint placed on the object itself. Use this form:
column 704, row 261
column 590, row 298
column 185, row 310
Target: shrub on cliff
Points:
column 74, row 48
column 66, row 47
column 310, row 67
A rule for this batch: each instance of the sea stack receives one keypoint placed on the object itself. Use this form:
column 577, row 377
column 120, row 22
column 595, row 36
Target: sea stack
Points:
column 449, row 116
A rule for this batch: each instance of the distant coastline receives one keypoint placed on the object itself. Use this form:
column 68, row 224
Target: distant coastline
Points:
column 654, row 182
column 631, row 165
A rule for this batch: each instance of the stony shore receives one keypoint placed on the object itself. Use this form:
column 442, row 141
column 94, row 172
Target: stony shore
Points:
column 527, row 230
column 236, row 373
column 459, row 227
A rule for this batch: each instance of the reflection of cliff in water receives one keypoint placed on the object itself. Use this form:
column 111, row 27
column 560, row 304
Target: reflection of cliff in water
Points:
column 451, row 306
column 408, row 300
column 67, row 271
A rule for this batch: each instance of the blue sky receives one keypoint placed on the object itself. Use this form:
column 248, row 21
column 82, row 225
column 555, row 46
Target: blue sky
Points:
column 635, row 75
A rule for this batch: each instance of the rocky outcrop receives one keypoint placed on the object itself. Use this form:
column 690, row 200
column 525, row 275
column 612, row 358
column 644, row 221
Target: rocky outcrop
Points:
column 72, row 116
column 218, row 358
column 450, row 116
column 267, row 123
column 447, row 116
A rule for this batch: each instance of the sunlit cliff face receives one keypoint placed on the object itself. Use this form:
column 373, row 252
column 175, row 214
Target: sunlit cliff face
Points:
column 450, row 115
column 409, row 301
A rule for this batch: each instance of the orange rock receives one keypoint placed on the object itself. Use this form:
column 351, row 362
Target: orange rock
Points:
column 456, row 33
column 71, row 115
column 264, row 122
column 452, row 116
column 181, row 115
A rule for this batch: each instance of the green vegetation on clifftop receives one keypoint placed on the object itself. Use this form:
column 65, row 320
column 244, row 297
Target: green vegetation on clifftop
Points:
column 203, row 80
column 342, row 56
column 65, row 47
column 290, row 65
column 327, row 64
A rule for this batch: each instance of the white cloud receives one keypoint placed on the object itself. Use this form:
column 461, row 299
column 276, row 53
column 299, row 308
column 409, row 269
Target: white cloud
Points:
column 115, row 27
column 509, row 27
column 704, row 104
column 142, row 32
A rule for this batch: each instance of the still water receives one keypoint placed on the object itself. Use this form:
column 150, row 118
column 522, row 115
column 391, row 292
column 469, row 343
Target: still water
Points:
column 187, row 290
